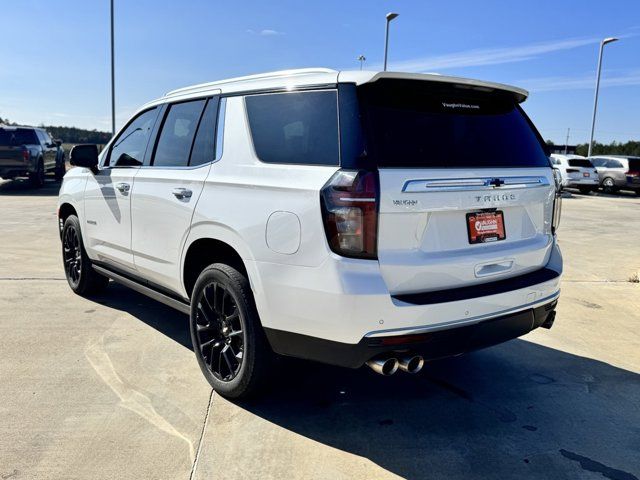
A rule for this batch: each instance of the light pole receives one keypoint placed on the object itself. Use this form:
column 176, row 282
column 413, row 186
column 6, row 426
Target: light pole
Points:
column 595, row 101
column 113, row 81
column 390, row 16
column 361, row 59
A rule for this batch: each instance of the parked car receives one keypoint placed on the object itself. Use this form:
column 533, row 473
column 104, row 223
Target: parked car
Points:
column 576, row 172
column 30, row 152
column 351, row 218
column 618, row 172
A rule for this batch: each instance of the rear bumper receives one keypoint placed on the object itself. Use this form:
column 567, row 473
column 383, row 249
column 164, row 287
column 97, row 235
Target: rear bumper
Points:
column 585, row 182
column 11, row 168
column 346, row 302
column 13, row 171
column 431, row 345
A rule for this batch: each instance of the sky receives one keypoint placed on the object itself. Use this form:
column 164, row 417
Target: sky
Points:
column 55, row 57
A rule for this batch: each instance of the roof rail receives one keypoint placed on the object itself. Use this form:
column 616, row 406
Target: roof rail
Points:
column 249, row 78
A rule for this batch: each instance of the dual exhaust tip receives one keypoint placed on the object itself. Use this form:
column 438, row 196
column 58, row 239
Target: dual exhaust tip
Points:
column 389, row 366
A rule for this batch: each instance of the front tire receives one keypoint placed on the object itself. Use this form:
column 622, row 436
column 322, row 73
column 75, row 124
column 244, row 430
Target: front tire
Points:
column 81, row 276
column 227, row 337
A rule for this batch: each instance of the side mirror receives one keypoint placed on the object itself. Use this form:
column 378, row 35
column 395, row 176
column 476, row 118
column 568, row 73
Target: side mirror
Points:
column 57, row 142
column 84, row 156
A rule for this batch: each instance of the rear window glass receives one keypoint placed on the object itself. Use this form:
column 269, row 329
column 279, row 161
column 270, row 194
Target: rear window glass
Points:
column 579, row 162
column 634, row 164
column 425, row 124
column 15, row 137
column 298, row 127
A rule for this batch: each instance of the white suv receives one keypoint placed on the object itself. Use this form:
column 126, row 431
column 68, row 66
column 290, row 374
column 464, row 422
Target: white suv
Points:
column 346, row 217
column 576, row 172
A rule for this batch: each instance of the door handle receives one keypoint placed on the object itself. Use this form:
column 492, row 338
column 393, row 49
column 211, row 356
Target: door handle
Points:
column 182, row 193
column 123, row 188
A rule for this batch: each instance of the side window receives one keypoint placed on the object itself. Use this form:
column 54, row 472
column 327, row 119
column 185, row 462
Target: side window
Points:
column 597, row 162
column 47, row 138
column 41, row 138
column 222, row 112
column 614, row 164
column 204, row 145
column 297, row 127
column 128, row 149
column 177, row 133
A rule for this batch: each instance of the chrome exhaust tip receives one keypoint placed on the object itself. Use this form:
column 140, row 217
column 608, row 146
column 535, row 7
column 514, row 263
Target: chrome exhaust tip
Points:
column 411, row 364
column 384, row 366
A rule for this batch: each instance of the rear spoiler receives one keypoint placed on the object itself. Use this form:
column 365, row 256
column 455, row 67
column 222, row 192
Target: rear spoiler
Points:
column 362, row 77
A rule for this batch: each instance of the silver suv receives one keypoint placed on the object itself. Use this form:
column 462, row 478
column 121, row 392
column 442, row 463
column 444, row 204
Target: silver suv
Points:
column 618, row 172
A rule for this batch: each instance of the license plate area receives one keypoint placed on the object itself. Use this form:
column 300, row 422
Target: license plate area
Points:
column 485, row 227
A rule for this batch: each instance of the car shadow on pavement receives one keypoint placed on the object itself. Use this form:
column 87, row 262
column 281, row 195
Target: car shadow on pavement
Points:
column 22, row 187
column 165, row 320
column 517, row 410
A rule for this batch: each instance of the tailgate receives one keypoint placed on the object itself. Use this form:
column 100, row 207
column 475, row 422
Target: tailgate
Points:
column 11, row 156
column 424, row 242
column 466, row 187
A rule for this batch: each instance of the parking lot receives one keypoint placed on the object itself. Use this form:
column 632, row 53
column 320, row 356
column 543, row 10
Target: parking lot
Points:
column 110, row 388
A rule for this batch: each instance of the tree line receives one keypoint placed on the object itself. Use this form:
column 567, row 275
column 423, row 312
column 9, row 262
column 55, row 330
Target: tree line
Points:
column 632, row 148
column 71, row 134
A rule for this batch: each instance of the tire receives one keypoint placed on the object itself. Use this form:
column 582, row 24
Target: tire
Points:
column 78, row 270
column 60, row 170
column 608, row 185
column 585, row 190
column 228, row 340
column 37, row 178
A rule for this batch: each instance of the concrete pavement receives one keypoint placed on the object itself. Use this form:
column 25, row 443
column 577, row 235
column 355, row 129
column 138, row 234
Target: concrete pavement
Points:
column 109, row 388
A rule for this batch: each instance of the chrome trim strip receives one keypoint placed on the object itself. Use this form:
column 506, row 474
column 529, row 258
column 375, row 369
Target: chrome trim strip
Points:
column 370, row 200
column 479, row 183
column 464, row 322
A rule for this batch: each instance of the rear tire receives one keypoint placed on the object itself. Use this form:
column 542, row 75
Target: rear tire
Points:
column 37, row 178
column 78, row 269
column 60, row 170
column 228, row 340
column 609, row 186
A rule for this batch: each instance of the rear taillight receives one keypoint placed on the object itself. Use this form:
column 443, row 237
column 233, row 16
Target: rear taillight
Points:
column 350, row 213
column 557, row 202
column 26, row 154
column 633, row 174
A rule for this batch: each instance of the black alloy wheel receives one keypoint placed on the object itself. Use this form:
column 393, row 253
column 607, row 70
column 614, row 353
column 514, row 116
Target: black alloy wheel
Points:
column 220, row 331
column 72, row 255
column 231, row 347
column 78, row 269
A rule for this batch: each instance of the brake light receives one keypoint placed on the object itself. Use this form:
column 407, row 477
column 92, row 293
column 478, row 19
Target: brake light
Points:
column 349, row 203
column 26, row 154
column 633, row 173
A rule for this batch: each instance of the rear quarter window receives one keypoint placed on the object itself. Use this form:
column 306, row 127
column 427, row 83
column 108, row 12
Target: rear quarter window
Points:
column 295, row 128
